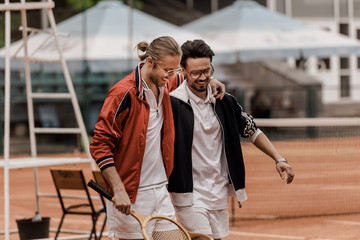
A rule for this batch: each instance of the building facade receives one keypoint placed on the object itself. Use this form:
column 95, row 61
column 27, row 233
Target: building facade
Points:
column 340, row 76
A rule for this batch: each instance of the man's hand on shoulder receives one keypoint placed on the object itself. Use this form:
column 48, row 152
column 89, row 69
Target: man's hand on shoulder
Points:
column 218, row 88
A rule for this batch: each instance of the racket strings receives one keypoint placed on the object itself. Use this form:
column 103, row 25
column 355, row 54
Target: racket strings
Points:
column 163, row 229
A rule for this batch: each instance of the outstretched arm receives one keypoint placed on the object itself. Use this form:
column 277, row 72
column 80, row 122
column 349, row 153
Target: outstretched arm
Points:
column 264, row 144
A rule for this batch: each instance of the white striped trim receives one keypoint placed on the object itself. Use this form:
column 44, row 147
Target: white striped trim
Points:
column 112, row 125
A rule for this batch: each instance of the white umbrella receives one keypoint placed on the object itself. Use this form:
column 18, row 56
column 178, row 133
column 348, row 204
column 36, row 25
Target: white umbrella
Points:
column 253, row 33
column 107, row 43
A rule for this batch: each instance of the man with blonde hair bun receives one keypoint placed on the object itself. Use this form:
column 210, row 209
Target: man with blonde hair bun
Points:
column 133, row 142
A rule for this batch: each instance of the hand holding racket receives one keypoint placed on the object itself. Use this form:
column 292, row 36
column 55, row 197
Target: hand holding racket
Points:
column 155, row 226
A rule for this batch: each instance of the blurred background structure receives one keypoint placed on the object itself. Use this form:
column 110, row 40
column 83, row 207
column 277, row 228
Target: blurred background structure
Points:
column 99, row 51
column 102, row 34
column 289, row 92
column 338, row 76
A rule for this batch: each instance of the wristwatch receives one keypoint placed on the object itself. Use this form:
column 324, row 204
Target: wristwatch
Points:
column 281, row 160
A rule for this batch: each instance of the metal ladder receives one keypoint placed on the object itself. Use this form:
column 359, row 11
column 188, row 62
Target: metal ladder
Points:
column 34, row 161
column 71, row 95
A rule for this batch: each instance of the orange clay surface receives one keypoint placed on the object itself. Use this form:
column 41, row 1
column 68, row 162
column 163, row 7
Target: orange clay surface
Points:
column 311, row 208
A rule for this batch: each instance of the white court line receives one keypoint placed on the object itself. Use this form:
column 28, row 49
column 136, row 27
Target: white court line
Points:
column 276, row 236
column 344, row 222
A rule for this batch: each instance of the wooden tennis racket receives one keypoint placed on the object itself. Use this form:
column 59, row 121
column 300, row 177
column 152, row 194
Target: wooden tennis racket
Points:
column 199, row 236
column 155, row 226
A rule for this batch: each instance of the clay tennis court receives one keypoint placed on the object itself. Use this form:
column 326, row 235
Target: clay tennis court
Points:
column 322, row 203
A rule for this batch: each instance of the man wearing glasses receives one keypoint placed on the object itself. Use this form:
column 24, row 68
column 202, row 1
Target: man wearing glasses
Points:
column 208, row 162
column 133, row 142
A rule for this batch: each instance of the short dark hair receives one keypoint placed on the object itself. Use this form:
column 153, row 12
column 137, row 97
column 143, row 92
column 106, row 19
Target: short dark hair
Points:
column 195, row 49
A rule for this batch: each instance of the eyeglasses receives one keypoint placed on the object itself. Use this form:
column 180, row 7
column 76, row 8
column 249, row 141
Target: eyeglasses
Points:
column 208, row 72
column 170, row 73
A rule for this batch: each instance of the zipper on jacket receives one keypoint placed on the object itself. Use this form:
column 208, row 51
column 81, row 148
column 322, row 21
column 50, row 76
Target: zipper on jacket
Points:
column 192, row 172
column 227, row 165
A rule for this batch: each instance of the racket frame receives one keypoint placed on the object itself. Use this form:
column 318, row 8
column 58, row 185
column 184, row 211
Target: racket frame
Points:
column 142, row 219
column 200, row 235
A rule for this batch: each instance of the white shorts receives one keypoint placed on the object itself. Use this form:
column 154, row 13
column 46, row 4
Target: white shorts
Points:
column 214, row 223
column 150, row 201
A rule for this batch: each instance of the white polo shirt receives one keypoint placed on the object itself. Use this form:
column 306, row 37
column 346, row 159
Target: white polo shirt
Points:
column 210, row 175
column 153, row 173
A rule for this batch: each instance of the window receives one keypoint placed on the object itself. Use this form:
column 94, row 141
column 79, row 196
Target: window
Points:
column 324, row 63
column 344, row 29
column 311, row 8
column 344, row 63
column 344, row 86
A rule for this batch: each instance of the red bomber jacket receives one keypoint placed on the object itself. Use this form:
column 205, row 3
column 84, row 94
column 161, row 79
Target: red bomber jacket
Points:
column 120, row 132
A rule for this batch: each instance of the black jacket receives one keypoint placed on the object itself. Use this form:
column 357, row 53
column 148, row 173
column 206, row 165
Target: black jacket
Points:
column 233, row 121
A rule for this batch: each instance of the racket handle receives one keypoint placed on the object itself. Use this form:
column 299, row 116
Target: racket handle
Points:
column 100, row 190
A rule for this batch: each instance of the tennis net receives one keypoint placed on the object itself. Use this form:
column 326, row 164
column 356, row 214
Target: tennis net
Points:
column 325, row 156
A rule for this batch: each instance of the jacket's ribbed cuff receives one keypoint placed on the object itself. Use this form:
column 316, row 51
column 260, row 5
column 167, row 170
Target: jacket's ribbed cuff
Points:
column 255, row 135
column 105, row 162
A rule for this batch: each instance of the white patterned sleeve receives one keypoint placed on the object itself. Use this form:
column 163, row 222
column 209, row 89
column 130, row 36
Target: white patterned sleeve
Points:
column 251, row 131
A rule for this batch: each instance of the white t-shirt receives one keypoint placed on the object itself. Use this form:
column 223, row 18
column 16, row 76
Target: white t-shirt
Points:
column 153, row 173
column 210, row 175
